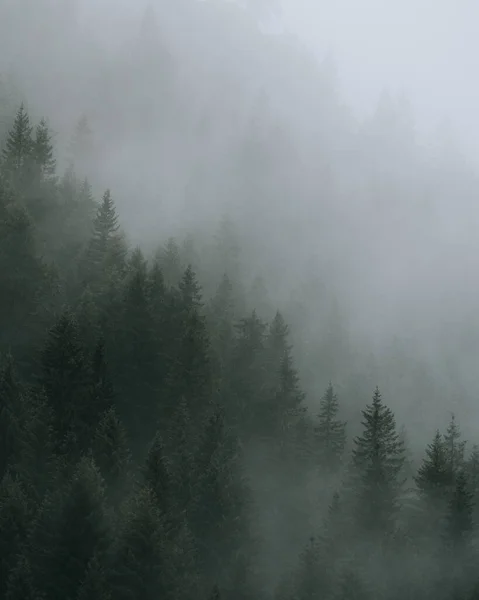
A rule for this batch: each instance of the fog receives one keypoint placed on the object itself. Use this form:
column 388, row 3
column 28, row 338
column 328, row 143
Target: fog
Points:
column 340, row 138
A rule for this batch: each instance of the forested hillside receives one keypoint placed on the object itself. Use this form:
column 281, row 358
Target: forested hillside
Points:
column 218, row 377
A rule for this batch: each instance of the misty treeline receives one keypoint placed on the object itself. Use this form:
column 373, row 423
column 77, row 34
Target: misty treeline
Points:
column 160, row 435
column 130, row 405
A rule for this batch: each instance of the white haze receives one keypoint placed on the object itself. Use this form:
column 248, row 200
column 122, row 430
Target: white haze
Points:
column 366, row 190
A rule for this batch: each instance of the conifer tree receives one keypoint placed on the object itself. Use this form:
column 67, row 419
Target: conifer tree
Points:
column 18, row 148
column 157, row 476
column 15, row 518
column 170, row 262
column 94, row 585
column 246, row 378
column 71, row 528
column 10, row 398
column 65, row 378
column 454, row 447
column 221, row 314
column 139, row 568
column 433, row 477
column 311, row 583
column 330, row 432
column 459, row 520
column 378, row 458
column 20, row 581
column 110, row 451
column 42, row 151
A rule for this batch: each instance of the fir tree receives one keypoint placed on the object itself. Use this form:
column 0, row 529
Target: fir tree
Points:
column 157, row 476
column 65, row 379
column 71, row 528
column 170, row 262
column 110, row 451
column 459, row 520
column 15, row 518
column 20, row 581
column 138, row 568
column 378, row 458
column 94, row 585
column 330, row 432
column 18, row 147
column 454, row 447
column 42, row 150
column 433, row 477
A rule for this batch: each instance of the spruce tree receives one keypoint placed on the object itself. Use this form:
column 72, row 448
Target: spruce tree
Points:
column 20, row 581
column 378, row 458
column 454, row 447
column 15, row 519
column 18, row 148
column 65, row 378
column 330, row 433
column 139, row 568
column 94, row 585
column 71, row 528
column 157, row 476
column 110, row 451
column 170, row 262
column 433, row 477
column 42, row 151
column 459, row 519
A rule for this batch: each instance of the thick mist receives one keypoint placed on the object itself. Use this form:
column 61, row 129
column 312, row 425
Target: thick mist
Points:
column 227, row 119
column 333, row 147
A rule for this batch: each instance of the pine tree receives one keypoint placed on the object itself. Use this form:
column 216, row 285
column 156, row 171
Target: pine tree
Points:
column 20, row 581
column 104, row 239
column 110, row 451
column 71, row 528
column 218, row 512
column 433, row 477
column 170, row 263
column 15, row 518
column 65, row 378
column 454, row 447
column 330, row 432
column 459, row 520
column 221, row 314
column 245, row 388
column 311, row 581
column 18, row 148
column 378, row 458
column 103, row 394
column 94, row 585
column 10, row 398
column 42, row 151
column 157, row 476
column 138, row 567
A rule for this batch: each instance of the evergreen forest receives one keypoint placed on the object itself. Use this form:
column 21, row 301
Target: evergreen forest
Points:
column 174, row 423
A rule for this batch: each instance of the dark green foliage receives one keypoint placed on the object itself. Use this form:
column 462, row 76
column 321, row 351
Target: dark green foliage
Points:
column 170, row 263
column 433, row 478
column 110, row 450
column 330, row 432
column 71, row 528
column 15, row 518
column 454, row 447
column 65, row 379
column 94, row 585
column 42, row 151
column 139, row 565
column 157, row 476
column 378, row 458
column 18, row 149
column 459, row 520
